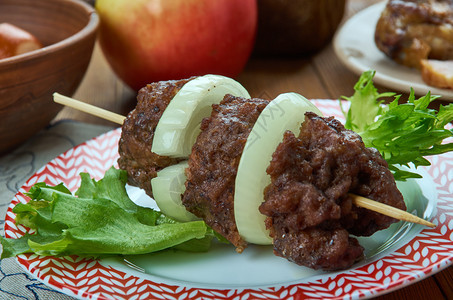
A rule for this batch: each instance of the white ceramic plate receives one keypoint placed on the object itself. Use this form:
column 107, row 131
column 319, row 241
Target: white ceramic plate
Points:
column 395, row 257
column 354, row 45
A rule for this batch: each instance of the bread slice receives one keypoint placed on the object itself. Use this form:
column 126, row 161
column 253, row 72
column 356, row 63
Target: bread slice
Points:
column 437, row 73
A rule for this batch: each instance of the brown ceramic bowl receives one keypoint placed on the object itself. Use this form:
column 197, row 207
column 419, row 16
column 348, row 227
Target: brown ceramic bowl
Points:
column 67, row 30
column 296, row 27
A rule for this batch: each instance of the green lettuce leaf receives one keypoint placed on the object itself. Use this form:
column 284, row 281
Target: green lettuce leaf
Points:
column 100, row 220
column 404, row 133
column 365, row 104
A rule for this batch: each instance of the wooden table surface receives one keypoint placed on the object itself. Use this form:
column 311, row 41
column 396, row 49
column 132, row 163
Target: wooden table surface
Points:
column 321, row 76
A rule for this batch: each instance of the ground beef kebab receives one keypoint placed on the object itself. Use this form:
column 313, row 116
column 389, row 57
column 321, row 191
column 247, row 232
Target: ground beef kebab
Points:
column 309, row 212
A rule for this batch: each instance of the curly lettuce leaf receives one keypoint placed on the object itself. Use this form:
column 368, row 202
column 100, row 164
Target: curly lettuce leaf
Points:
column 404, row 133
column 100, row 220
column 365, row 104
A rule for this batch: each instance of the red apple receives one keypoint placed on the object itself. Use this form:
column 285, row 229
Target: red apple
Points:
column 151, row 40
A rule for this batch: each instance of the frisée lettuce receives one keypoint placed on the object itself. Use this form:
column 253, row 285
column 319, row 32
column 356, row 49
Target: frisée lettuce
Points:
column 403, row 133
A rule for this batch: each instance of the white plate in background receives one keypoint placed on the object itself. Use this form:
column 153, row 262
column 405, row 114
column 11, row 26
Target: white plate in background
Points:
column 354, row 45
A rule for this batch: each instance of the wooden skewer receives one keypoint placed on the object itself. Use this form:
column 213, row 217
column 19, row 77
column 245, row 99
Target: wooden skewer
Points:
column 388, row 210
column 88, row 108
column 357, row 200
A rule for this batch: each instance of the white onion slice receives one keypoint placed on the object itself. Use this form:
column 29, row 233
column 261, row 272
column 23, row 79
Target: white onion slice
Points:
column 168, row 187
column 179, row 125
column 286, row 112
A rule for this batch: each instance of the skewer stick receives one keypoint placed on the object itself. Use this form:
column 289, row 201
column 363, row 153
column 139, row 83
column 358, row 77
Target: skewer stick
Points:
column 388, row 210
column 357, row 200
column 88, row 108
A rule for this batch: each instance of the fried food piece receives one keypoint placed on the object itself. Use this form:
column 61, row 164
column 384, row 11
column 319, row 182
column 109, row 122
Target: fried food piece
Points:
column 438, row 73
column 137, row 134
column 309, row 212
column 411, row 30
column 214, row 161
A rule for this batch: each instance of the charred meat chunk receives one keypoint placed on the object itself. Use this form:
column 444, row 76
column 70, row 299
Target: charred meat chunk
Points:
column 410, row 30
column 214, row 161
column 137, row 134
column 309, row 211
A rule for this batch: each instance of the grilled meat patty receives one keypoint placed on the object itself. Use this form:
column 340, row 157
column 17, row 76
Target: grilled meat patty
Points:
column 214, row 161
column 137, row 134
column 309, row 212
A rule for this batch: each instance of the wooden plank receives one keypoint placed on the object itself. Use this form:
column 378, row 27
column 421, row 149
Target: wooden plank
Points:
column 445, row 280
column 426, row 289
column 336, row 78
column 267, row 78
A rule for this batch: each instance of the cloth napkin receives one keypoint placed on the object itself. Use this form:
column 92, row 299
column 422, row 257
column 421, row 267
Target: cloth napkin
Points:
column 15, row 169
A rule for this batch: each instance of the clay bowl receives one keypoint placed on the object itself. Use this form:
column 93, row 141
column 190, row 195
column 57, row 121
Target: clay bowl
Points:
column 294, row 28
column 67, row 30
